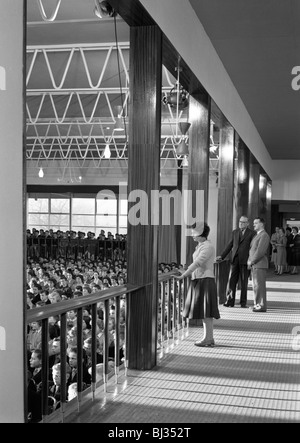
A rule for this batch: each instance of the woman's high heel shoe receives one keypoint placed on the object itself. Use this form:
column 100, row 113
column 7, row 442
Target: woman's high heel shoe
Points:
column 205, row 343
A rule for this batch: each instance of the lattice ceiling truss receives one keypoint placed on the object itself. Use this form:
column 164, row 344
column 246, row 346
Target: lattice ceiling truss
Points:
column 73, row 102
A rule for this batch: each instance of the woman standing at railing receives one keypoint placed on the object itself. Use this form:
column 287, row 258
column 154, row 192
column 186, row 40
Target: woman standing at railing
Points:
column 202, row 301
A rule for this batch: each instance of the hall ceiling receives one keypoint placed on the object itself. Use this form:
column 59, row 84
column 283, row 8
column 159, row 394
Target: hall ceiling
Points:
column 258, row 42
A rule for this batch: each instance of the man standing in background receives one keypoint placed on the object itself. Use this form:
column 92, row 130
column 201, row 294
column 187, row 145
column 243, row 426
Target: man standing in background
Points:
column 258, row 262
column 239, row 244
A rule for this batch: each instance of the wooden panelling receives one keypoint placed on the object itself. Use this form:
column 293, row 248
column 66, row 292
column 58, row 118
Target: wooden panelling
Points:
column 143, row 177
column 263, row 195
column 269, row 204
column 242, row 182
column 254, row 190
column 225, row 200
column 198, row 170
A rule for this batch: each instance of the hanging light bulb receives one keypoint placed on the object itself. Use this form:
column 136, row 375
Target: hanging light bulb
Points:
column 107, row 153
column 185, row 161
column 41, row 173
column 119, row 126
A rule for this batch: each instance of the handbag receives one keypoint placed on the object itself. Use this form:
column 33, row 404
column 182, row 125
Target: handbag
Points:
column 274, row 249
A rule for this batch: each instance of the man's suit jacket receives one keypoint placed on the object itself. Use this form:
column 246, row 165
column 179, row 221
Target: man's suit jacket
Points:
column 259, row 250
column 239, row 245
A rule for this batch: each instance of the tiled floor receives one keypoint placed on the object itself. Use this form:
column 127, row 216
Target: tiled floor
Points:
column 252, row 374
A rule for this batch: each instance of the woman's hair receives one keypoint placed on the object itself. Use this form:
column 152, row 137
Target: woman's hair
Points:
column 202, row 228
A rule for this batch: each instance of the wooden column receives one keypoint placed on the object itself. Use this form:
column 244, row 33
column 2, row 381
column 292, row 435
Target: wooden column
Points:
column 143, row 177
column 242, row 184
column 12, row 219
column 253, row 190
column 225, row 184
column 269, row 206
column 225, row 203
column 263, row 195
column 198, row 169
column 178, row 227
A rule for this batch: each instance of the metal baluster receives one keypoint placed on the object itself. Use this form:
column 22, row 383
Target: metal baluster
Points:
column 117, row 338
column 126, row 337
column 63, row 362
column 105, row 352
column 94, row 349
column 79, row 357
column 45, row 368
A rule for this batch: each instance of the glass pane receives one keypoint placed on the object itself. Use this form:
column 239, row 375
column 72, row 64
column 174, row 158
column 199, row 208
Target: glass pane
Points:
column 123, row 231
column 106, row 206
column 123, row 221
column 83, row 220
column 38, row 205
column 36, row 220
column 60, row 205
column 83, row 206
column 124, row 207
column 106, row 220
column 60, row 220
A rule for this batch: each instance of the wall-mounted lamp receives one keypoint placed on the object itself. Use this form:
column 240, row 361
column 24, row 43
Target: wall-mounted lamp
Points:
column 103, row 9
column 41, row 173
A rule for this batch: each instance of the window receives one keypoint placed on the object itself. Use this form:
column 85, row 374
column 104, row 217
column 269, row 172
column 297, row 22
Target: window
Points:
column 83, row 206
column 38, row 205
column 88, row 213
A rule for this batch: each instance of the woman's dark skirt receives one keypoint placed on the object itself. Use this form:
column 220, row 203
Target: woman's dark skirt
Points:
column 202, row 301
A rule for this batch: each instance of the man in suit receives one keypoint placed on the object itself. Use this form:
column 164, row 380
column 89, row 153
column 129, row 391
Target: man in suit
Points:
column 258, row 262
column 239, row 244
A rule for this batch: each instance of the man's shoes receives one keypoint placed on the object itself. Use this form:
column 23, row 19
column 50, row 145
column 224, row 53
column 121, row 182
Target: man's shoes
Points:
column 259, row 309
column 205, row 343
column 229, row 303
column 244, row 306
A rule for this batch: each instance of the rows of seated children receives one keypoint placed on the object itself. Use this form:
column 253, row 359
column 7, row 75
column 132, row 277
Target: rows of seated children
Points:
column 51, row 281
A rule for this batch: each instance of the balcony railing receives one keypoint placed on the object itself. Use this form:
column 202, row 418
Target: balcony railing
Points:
column 171, row 327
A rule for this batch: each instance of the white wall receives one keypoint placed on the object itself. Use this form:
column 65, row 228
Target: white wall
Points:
column 11, row 214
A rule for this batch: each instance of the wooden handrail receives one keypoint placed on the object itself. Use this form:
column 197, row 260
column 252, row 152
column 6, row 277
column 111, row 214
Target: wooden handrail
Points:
column 47, row 311
column 166, row 276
